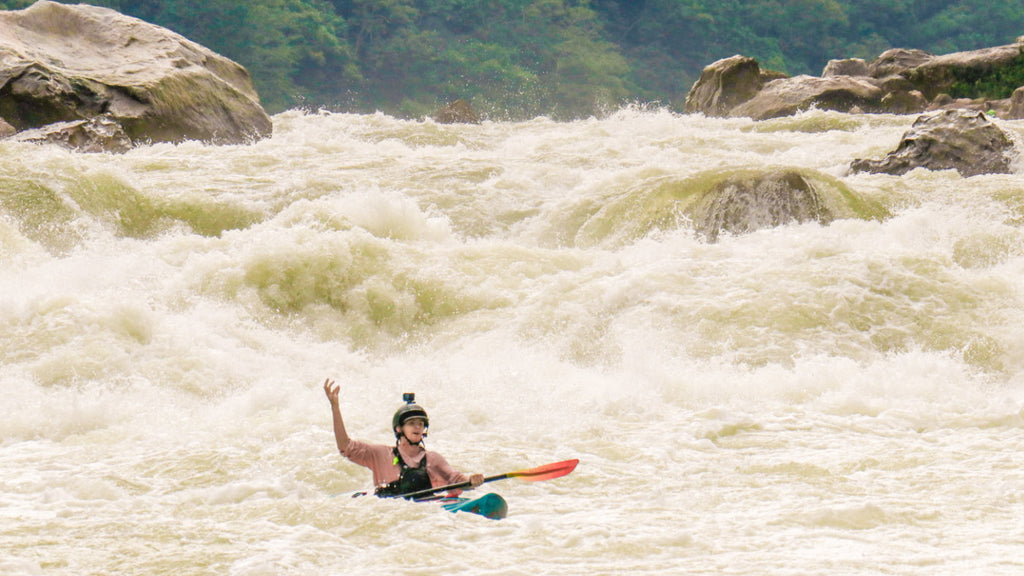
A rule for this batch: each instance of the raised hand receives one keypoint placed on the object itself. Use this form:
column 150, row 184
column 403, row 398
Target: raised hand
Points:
column 332, row 391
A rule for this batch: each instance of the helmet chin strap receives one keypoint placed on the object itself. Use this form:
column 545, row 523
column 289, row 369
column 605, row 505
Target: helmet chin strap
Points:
column 421, row 444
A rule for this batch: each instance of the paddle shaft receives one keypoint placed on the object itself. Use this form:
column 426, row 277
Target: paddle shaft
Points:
column 456, row 486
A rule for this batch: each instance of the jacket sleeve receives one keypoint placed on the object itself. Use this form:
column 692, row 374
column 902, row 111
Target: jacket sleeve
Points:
column 376, row 457
column 441, row 473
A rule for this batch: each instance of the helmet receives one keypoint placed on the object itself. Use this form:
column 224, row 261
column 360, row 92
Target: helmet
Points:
column 409, row 410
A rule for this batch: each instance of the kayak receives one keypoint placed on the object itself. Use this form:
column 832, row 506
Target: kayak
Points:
column 489, row 505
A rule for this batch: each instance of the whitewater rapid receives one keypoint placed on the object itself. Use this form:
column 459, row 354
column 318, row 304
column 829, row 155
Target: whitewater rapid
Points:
column 810, row 399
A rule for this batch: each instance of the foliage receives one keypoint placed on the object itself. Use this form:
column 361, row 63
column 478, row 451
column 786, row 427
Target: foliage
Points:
column 561, row 58
column 546, row 56
column 995, row 84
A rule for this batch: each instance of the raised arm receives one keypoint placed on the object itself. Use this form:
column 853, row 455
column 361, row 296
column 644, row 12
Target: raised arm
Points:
column 340, row 435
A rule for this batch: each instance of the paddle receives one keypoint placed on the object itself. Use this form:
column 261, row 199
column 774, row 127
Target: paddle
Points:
column 545, row 472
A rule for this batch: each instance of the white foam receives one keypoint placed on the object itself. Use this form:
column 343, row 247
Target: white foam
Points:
column 837, row 394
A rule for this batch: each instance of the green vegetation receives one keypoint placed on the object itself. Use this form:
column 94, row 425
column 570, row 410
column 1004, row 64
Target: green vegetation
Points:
column 562, row 58
column 994, row 84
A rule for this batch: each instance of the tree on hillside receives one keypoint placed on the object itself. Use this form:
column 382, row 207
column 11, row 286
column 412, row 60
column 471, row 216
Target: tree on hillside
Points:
column 507, row 56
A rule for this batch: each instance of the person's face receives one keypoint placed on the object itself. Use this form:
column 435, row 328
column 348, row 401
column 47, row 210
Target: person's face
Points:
column 413, row 429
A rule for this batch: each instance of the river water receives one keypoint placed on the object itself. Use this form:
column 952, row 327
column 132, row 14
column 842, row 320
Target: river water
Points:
column 809, row 399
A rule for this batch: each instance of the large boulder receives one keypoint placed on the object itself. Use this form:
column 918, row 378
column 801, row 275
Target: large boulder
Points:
column 940, row 74
column 968, row 142
column 847, row 67
column 64, row 63
column 788, row 96
column 724, row 85
column 904, row 102
column 935, row 77
column 897, row 62
column 1016, row 111
column 899, row 81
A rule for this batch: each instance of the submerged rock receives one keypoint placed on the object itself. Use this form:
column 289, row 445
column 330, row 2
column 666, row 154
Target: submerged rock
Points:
column 744, row 204
column 735, row 200
column 966, row 141
column 62, row 63
column 458, row 112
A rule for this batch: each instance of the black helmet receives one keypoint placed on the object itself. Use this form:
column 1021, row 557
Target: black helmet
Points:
column 409, row 410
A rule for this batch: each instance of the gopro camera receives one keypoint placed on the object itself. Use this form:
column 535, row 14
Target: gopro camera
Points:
column 409, row 397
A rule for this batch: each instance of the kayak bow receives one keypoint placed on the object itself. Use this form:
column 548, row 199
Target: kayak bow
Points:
column 489, row 505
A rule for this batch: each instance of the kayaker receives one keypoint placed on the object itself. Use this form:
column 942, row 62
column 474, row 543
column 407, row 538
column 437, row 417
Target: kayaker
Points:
column 405, row 467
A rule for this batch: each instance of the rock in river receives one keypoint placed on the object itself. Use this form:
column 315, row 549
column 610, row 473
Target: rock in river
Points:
column 966, row 141
column 61, row 63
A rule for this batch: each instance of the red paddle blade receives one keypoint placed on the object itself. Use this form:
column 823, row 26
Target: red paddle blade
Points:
column 546, row 472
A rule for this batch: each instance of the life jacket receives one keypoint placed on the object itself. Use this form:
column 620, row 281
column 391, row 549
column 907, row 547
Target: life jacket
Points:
column 409, row 480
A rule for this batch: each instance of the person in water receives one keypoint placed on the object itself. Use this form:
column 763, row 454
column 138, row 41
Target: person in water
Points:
column 405, row 467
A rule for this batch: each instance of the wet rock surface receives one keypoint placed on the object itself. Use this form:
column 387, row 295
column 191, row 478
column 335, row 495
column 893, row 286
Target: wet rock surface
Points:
column 741, row 205
column 65, row 63
column 965, row 141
